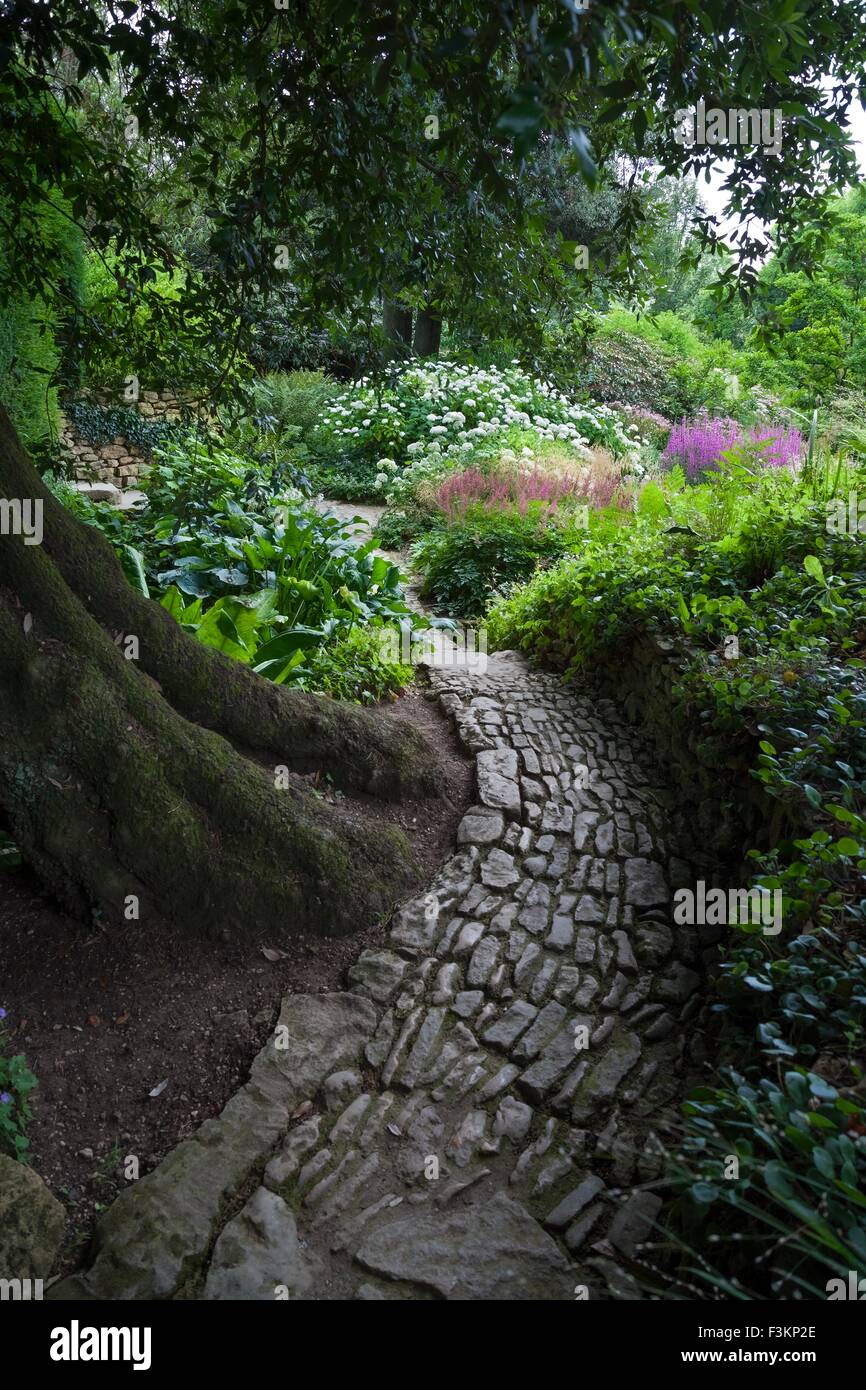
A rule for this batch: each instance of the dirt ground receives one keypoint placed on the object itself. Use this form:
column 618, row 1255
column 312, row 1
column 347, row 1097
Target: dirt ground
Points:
column 108, row 1018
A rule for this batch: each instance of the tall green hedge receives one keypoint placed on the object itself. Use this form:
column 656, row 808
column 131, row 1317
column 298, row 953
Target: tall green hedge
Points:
column 33, row 345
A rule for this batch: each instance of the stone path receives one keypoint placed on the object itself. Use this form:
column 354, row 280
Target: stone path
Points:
column 479, row 1115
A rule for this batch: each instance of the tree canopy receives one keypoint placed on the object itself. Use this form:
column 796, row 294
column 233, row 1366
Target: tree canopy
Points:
column 291, row 136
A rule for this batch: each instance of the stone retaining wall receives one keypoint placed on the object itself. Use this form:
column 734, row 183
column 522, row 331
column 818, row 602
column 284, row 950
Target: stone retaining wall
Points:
column 712, row 793
column 120, row 460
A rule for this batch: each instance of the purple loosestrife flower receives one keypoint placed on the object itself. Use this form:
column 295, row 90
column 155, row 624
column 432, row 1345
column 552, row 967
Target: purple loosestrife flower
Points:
column 5, row 1098
column 698, row 446
column 783, row 444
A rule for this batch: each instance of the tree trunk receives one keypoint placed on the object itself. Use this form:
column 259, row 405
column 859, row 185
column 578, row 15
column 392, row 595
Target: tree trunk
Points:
column 428, row 333
column 126, row 783
column 397, row 324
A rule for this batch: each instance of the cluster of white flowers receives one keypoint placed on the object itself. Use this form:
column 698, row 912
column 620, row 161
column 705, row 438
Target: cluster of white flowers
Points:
column 385, row 467
column 466, row 409
column 358, row 410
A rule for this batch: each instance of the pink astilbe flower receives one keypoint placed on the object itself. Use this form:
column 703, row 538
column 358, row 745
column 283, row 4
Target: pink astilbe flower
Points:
column 506, row 491
column 605, row 487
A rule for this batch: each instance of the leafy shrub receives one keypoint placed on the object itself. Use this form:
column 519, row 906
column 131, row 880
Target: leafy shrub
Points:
column 345, row 478
column 396, row 528
column 594, row 599
column 663, row 363
column 317, row 587
column 192, row 480
column 223, row 534
column 281, row 343
column 621, row 367
column 483, row 553
column 251, row 568
column 284, row 342
column 354, row 667
column 793, row 1217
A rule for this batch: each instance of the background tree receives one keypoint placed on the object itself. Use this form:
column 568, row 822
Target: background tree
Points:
column 812, row 323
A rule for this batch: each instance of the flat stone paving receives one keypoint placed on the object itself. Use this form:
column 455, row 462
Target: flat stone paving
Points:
column 482, row 1114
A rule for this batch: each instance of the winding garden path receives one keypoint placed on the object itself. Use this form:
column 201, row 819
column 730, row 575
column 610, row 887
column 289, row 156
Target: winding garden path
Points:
column 480, row 1115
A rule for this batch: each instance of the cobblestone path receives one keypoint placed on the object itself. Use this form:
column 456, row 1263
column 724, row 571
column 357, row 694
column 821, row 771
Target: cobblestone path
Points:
column 478, row 1116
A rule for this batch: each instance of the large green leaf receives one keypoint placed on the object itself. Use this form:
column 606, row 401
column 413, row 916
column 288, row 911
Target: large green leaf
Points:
column 286, row 644
column 132, row 562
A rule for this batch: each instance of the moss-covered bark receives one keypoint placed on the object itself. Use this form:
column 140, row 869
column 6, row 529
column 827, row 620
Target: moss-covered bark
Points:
column 116, row 787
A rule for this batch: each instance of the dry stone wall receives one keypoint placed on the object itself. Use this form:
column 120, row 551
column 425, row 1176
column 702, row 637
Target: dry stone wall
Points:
column 710, row 793
column 120, row 460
